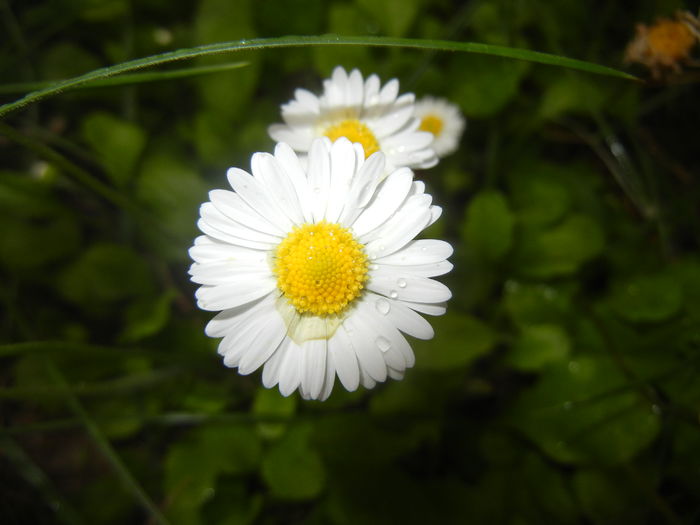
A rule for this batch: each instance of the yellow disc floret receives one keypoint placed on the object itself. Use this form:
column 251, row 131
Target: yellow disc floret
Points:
column 431, row 123
column 354, row 131
column 320, row 268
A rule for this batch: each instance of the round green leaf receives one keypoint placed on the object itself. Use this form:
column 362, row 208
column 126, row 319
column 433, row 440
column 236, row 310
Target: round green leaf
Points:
column 538, row 346
column 647, row 298
column 292, row 469
column 459, row 340
column 488, row 227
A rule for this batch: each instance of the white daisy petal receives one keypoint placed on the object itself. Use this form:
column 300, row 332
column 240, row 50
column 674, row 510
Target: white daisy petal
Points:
column 290, row 373
column 273, row 366
column 409, row 322
column 212, row 216
column 266, row 169
column 345, row 360
column 422, row 251
column 290, row 163
column 422, row 270
column 407, row 287
column 256, row 197
column 319, row 178
column 313, row 366
column 230, row 295
column 233, row 206
column 391, row 193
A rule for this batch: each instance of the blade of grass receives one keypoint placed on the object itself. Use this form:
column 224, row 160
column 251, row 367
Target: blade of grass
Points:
column 105, row 447
column 304, row 41
column 127, row 78
column 36, row 477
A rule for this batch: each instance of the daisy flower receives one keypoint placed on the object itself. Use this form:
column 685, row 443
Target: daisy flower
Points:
column 362, row 111
column 443, row 120
column 315, row 271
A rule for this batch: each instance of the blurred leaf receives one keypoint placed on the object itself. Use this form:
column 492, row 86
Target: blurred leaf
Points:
column 609, row 497
column 105, row 273
column 292, row 469
column 193, row 465
column 344, row 19
column 393, row 16
column 147, row 317
column 647, row 298
column 571, row 93
column 482, row 86
column 270, row 403
column 118, row 144
column 581, row 413
column 528, row 303
column 30, row 244
column 559, row 250
column 66, row 59
column 540, row 195
column 538, row 346
column 488, row 226
column 169, row 187
column 459, row 340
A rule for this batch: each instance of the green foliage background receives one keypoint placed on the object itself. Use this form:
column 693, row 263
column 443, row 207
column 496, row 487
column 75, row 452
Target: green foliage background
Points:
column 561, row 386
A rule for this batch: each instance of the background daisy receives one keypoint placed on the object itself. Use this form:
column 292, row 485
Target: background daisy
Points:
column 316, row 272
column 444, row 120
column 363, row 111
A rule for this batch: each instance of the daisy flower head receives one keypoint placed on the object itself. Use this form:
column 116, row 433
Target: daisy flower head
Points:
column 315, row 271
column 363, row 111
column 444, row 120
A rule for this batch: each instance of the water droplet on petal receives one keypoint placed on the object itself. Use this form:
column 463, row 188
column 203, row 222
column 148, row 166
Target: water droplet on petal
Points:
column 393, row 294
column 383, row 306
column 374, row 267
column 383, row 343
column 402, row 283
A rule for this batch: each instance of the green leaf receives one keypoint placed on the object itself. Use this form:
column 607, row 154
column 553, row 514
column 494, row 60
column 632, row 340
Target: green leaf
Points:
column 459, row 340
column 482, row 85
column 173, row 190
column 193, row 465
column 118, row 144
column 104, row 274
column 147, row 317
column 539, row 192
column 269, row 403
column 302, row 41
column 559, row 250
column 583, row 412
column 538, row 346
column 536, row 303
column 647, row 298
column 394, row 17
column 292, row 469
column 609, row 497
column 488, row 226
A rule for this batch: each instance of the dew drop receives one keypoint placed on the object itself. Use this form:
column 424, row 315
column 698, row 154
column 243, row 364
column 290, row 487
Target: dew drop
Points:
column 424, row 249
column 383, row 343
column 317, row 190
column 382, row 306
column 402, row 283
column 393, row 294
column 374, row 267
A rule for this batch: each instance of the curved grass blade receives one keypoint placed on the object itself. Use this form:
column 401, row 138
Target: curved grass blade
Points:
column 303, row 41
column 128, row 78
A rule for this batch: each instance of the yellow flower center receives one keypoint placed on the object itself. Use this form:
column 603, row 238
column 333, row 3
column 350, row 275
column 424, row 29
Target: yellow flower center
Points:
column 320, row 268
column 431, row 123
column 354, row 131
